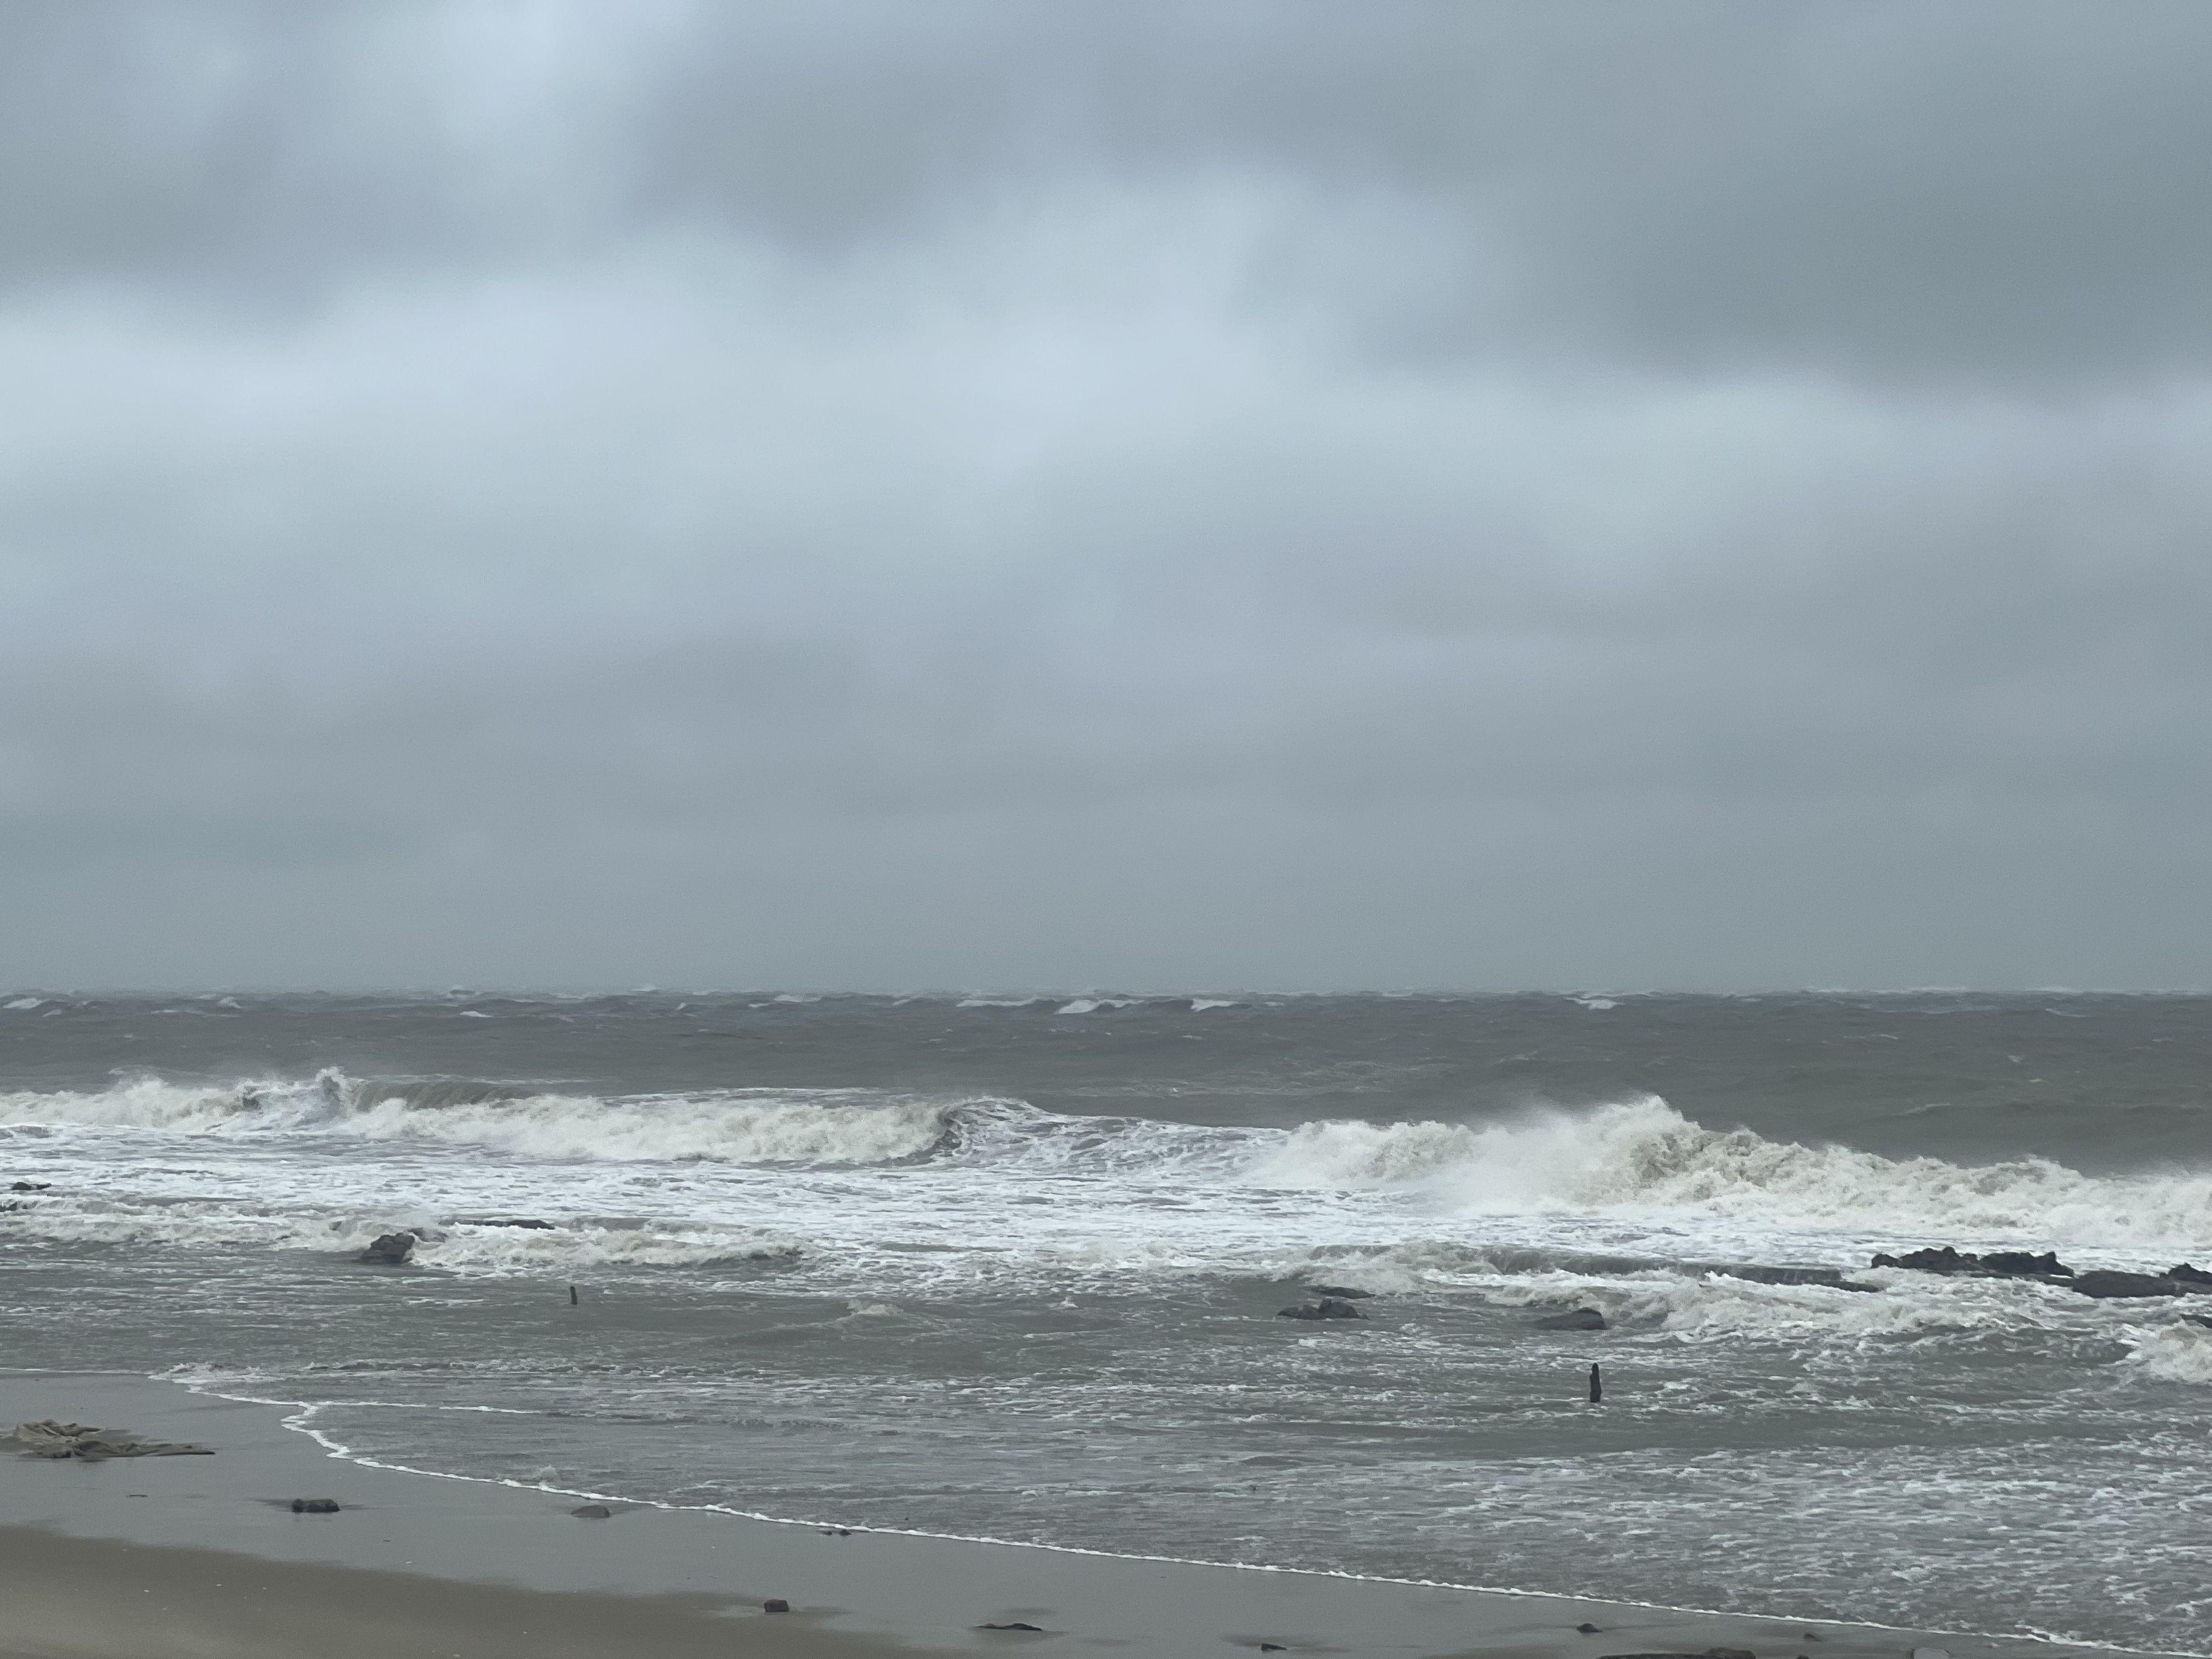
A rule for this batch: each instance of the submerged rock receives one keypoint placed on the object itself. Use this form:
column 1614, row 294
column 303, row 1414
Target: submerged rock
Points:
column 388, row 1251
column 1323, row 1309
column 532, row 1222
column 2110, row 1285
column 1344, row 1292
column 1764, row 1275
column 1582, row 1319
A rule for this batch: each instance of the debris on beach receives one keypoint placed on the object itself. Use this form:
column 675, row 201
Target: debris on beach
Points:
column 50, row 1439
column 592, row 1512
column 315, row 1506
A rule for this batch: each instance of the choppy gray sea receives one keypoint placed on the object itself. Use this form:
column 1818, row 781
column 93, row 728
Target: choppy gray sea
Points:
column 1011, row 1268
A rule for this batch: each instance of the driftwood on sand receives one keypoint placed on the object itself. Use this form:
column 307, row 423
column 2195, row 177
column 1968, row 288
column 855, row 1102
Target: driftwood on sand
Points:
column 48, row 1438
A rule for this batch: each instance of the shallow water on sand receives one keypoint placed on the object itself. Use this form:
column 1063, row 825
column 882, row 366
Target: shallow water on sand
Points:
column 1012, row 1268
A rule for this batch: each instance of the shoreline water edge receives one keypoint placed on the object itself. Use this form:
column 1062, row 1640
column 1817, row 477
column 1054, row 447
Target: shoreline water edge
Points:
column 225, row 1560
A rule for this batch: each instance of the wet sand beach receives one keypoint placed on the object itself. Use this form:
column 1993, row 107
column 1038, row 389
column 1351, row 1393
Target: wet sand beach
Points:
column 204, row 1556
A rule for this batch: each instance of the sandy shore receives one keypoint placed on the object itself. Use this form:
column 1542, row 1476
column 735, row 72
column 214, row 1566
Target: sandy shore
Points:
column 152, row 1557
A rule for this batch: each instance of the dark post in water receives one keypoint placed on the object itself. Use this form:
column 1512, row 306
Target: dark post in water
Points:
column 1597, row 1389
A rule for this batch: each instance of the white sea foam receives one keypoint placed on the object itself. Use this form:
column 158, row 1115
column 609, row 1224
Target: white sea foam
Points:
column 1719, row 1306
column 2176, row 1353
column 463, row 1247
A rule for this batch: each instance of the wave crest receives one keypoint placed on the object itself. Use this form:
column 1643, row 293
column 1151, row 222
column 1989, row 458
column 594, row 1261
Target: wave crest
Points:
column 738, row 1126
column 1641, row 1155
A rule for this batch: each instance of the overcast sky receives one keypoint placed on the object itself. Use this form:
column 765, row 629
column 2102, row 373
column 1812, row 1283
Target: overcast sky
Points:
column 1192, row 494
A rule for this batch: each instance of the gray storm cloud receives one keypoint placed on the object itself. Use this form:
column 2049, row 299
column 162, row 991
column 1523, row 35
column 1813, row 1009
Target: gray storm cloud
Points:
column 1209, row 495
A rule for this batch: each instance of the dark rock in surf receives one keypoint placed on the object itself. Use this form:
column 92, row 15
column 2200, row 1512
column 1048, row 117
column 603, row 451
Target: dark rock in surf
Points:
column 1342, row 1292
column 388, row 1251
column 2019, row 1264
column 1014, row 1623
column 1589, row 1630
column 529, row 1222
column 592, row 1512
column 2184, row 1273
column 775, row 1604
column 1325, row 1310
column 2109, row 1284
column 32, row 1186
column 314, row 1506
column 1582, row 1319
column 1998, row 1264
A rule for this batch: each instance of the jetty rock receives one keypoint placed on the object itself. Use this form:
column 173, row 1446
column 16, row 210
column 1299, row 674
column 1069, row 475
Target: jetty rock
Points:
column 1998, row 1264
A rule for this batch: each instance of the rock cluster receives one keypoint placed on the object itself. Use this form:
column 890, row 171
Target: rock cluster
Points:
column 2183, row 1279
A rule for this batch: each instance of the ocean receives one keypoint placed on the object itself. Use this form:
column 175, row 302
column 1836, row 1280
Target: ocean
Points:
column 1012, row 1267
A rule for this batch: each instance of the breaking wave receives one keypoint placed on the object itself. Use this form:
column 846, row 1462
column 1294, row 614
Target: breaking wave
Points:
column 738, row 1127
column 1641, row 1155
column 1637, row 1158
